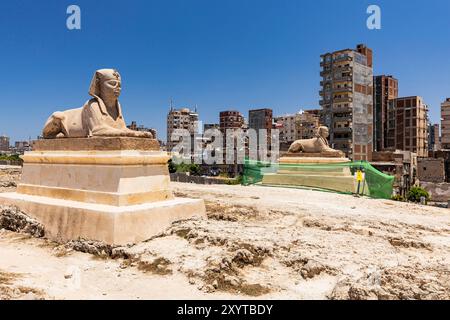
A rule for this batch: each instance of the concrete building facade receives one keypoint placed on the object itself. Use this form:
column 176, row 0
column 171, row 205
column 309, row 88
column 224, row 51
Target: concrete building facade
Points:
column 385, row 89
column 260, row 119
column 434, row 139
column 4, row 143
column 347, row 100
column 231, row 119
column 134, row 126
column 208, row 126
column 431, row 170
column 181, row 119
column 286, row 125
column 445, row 124
column 411, row 124
column 301, row 125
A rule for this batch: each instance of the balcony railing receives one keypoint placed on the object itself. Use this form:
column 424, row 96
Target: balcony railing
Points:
column 346, row 78
column 346, row 110
column 343, row 99
column 342, row 130
column 342, row 58
column 345, row 89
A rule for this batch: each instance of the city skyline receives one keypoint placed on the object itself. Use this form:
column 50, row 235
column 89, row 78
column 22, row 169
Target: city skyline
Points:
column 219, row 59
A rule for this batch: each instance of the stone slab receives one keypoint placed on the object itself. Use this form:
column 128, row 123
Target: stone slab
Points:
column 311, row 160
column 345, row 184
column 66, row 220
column 113, row 157
column 312, row 155
column 96, row 143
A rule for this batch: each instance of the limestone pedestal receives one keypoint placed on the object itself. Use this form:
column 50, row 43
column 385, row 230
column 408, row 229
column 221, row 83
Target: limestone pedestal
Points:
column 114, row 190
column 329, row 173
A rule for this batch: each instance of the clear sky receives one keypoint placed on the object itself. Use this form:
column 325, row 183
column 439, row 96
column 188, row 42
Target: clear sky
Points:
column 218, row 54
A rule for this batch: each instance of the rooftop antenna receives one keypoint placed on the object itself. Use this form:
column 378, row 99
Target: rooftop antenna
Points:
column 195, row 108
column 171, row 104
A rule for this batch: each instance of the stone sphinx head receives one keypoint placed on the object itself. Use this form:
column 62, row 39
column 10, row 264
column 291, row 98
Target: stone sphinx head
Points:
column 324, row 132
column 106, row 84
column 100, row 116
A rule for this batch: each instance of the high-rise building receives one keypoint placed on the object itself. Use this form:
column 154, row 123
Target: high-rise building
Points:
column 231, row 119
column 347, row 100
column 445, row 124
column 181, row 119
column 385, row 89
column 434, row 141
column 260, row 119
column 4, row 143
column 411, row 125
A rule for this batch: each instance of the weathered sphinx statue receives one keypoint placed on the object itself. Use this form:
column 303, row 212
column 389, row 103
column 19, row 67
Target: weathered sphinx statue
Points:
column 100, row 116
column 317, row 145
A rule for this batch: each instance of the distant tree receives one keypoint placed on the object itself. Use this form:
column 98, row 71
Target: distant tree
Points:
column 172, row 167
column 415, row 193
column 194, row 169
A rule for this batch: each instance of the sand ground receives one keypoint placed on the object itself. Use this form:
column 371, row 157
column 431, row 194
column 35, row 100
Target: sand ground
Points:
column 257, row 243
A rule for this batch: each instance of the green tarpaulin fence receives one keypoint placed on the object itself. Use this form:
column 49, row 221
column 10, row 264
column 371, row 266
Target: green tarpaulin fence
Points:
column 357, row 177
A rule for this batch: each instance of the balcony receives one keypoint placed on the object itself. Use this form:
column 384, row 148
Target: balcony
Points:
column 344, row 89
column 324, row 72
column 343, row 99
column 342, row 58
column 342, row 114
column 322, row 102
column 343, row 68
column 346, row 78
column 341, row 140
column 342, row 130
column 344, row 110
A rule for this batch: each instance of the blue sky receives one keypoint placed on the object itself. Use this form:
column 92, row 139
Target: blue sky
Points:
column 225, row 54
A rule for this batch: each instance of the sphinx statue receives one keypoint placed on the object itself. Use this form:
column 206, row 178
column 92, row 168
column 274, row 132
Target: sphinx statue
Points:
column 317, row 145
column 101, row 116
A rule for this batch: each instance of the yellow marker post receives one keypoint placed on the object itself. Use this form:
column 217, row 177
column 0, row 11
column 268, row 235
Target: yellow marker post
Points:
column 359, row 176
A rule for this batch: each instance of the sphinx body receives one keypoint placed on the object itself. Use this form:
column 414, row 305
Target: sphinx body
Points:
column 318, row 144
column 100, row 116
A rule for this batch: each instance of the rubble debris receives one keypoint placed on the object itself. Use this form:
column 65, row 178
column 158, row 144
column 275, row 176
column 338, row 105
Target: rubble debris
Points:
column 12, row 219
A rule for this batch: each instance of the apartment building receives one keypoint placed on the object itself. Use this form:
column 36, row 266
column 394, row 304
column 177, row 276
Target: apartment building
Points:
column 347, row 100
column 385, row 89
column 260, row 119
column 301, row 125
column 445, row 124
column 434, row 139
column 230, row 119
column 411, row 124
column 181, row 119
column 4, row 143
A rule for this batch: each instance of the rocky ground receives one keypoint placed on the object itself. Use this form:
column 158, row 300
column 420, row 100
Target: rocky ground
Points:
column 258, row 242
column 9, row 176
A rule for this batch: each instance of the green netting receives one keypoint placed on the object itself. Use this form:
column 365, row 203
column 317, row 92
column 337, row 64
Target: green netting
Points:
column 336, row 177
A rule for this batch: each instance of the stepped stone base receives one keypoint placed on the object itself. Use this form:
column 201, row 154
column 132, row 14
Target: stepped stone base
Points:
column 66, row 220
column 338, row 183
column 312, row 171
column 114, row 190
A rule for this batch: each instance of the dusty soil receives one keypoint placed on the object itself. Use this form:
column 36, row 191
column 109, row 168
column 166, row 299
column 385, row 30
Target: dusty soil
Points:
column 9, row 175
column 257, row 242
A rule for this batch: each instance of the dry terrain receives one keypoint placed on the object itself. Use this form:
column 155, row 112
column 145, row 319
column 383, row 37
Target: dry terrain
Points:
column 258, row 242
